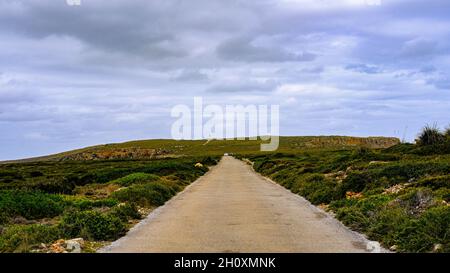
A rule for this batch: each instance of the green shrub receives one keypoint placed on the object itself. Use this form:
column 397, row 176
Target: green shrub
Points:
column 420, row 235
column 341, row 203
column 135, row 178
column 430, row 135
column 436, row 149
column 414, row 218
column 417, row 200
column 443, row 194
column 447, row 132
column 92, row 225
column 386, row 224
column 20, row 238
column 353, row 218
column 47, row 184
column 155, row 194
column 434, row 183
column 126, row 212
column 401, row 148
column 356, row 181
column 4, row 217
column 317, row 189
column 31, row 205
column 83, row 203
column 404, row 171
column 371, row 204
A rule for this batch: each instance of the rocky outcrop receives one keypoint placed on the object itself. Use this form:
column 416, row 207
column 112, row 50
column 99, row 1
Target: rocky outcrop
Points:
column 117, row 153
column 344, row 141
column 62, row 246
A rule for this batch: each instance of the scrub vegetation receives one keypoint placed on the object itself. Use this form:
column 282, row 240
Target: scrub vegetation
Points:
column 398, row 196
column 41, row 202
column 395, row 193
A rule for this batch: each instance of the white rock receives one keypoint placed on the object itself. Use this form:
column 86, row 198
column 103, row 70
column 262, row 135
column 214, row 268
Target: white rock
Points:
column 74, row 245
column 373, row 247
column 437, row 247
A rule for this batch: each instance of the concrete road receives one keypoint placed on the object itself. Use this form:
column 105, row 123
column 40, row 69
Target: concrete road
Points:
column 234, row 209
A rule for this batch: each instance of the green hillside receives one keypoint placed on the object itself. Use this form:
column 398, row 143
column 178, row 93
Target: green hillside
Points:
column 161, row 148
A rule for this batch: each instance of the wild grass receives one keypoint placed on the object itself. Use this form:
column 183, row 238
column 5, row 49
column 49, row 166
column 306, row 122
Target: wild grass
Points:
column 95, row 200
column 397, row 196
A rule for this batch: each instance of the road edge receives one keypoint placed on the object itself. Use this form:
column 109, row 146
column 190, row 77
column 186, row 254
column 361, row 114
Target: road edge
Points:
column 371, row 246
column 154, row 213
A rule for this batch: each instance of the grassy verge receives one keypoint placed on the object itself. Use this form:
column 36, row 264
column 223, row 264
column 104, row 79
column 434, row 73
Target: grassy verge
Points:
column 397, row 196
column 97, row 201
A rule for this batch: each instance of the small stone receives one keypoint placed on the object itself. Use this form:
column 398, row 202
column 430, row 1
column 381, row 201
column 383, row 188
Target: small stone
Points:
column 437, row 248
column 57, row 248
column 79, row 240
column 75, row 245
column 373, row 247
column 393, row 248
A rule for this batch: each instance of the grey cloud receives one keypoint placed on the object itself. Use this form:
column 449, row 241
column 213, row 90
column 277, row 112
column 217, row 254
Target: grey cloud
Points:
column 427, row 69
column 230, row 87
column 190, row 76
column 419, row 47
column 363, row 68
column 140, row 28
column 109, row 71
column 242, row 49
column 441, row 82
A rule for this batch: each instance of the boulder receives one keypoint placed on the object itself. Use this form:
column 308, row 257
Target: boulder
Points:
column 58, row 247
column 74, row 245
column 437, row 248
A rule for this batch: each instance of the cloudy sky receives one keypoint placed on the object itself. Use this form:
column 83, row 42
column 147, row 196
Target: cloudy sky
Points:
column 110, row 71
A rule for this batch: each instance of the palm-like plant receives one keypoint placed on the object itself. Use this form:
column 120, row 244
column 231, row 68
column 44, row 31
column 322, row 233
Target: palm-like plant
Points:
column 447, row 132
column 430, row 135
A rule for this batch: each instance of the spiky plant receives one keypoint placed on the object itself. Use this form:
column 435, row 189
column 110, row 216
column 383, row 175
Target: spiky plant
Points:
column 447, row 132
column 430, row 135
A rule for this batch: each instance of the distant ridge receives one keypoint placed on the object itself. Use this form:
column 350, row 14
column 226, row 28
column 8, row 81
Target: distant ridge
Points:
column 160, row 148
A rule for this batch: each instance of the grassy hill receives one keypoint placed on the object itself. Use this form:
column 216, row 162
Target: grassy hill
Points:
column 97, row 193
column 161, row 148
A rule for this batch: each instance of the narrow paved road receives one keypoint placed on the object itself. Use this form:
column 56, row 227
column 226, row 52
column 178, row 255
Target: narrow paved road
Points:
column 234, row 209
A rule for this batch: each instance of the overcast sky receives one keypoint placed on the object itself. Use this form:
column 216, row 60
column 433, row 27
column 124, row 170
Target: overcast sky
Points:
column 110, row 71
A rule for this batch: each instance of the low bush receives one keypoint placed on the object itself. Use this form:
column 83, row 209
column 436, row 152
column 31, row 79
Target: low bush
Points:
column 152, row 194
column 430, row 135
column 126, row 212
column 353, row 218
column 432, row 228
column 356, row 181
column 317, row 189
column 82, row 203
column 436, row 149
column 92, row 225
column 135, row 178
column 404, row 171
column 20, row 238
column 386, row 224
column 30, row 204
column 43, row 184
column 442, row 194
column 434, row 183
